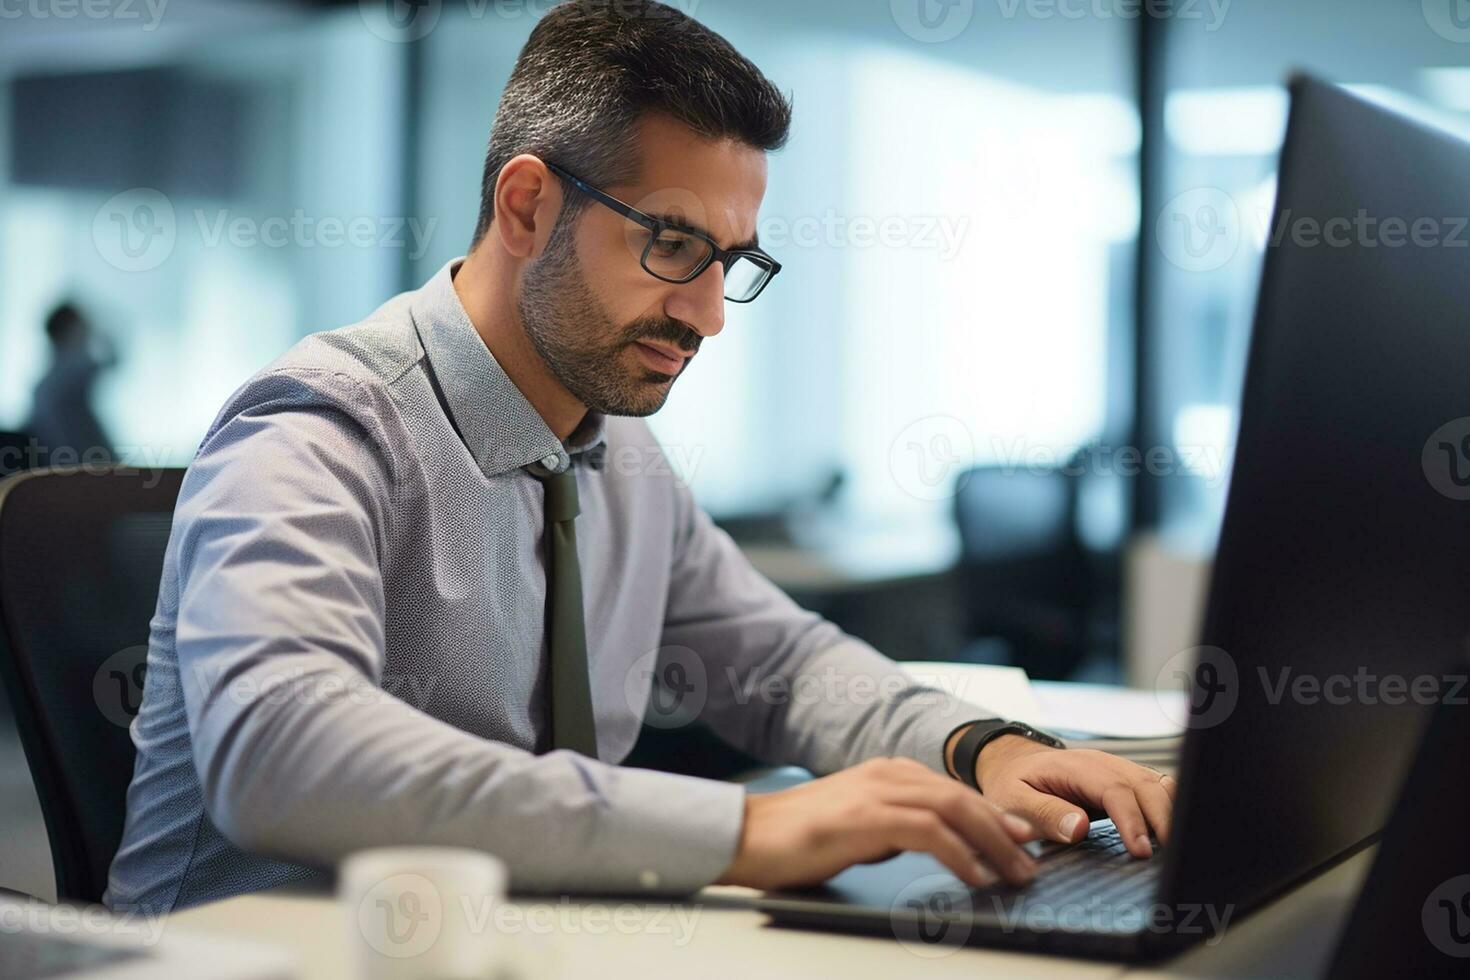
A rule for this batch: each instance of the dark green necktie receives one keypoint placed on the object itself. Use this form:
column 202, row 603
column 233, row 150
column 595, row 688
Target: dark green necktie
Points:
column 572, row 725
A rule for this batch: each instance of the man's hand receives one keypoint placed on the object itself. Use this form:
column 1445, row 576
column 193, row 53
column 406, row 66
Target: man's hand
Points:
column 1051, row 787
column 805, row 835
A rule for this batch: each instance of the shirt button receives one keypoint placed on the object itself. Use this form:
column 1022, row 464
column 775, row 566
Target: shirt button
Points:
column 648, row 879
column 551, row 463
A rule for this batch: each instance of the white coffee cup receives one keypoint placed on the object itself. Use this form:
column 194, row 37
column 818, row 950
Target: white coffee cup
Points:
column 415, row 913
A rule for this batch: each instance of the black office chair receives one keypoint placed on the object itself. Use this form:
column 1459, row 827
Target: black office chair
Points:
column 1024, row 573
column 81, row 552
column 16, row 452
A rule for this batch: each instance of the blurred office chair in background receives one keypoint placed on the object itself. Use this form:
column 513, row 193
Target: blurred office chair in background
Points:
column 16, row 452
column 81, row 553
column 1025, row 575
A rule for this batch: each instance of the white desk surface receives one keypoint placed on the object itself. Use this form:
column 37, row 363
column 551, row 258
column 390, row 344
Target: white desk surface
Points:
column 719, row 935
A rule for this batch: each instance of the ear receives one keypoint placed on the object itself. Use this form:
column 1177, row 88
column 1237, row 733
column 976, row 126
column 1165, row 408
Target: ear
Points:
column 528, row 199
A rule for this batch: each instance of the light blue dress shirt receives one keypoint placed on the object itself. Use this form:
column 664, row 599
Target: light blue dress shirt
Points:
column 348, row 647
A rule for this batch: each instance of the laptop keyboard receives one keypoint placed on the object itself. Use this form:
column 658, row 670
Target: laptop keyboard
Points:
column 1095, row 884
column 1099, row 868
column 35, row 955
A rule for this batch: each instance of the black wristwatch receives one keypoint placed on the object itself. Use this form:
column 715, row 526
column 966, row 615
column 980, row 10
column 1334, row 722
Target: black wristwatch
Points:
column 967, row 750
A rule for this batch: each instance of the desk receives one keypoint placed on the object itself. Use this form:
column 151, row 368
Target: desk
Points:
column 717, row 934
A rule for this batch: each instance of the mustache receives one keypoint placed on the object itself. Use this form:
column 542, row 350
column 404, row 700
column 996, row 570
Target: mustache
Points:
column 670, row 331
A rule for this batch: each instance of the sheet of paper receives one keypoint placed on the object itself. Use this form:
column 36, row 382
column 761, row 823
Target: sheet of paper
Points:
column 1110, row 711
column 1095, row 709
column 1003, row 690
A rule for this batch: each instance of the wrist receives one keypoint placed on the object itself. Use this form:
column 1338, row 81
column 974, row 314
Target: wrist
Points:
column 1000, row 750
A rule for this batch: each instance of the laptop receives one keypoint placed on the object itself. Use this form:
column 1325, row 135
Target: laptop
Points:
column 1336, row 604
column 1412, row 918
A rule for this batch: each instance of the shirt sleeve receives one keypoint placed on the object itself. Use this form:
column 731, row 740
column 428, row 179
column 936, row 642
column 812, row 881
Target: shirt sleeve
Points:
column 281, row 528
column 782, row 683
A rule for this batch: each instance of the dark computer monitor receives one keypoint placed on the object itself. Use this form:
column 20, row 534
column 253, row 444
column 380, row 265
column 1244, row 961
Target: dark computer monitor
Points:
column 1413, row 916
column 1339, row 588
column 1337, row 608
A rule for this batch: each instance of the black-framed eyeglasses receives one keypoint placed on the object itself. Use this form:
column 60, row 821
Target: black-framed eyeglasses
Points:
column 678, row 254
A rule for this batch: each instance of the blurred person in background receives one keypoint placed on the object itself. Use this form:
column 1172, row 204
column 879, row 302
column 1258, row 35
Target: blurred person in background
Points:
column 63, row 422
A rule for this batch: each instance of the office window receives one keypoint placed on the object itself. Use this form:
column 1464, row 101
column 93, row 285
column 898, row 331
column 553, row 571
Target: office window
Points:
column 1225, row 116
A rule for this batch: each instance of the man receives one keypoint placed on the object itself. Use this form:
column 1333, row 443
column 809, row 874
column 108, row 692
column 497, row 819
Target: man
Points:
column 62, row 416
column 421, row 566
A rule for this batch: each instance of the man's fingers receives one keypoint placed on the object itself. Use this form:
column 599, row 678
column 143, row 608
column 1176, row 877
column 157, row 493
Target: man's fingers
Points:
column 923, row 830
column 1122, row 805
column 1157, row 806
column 1053, row 816
column 973, row 818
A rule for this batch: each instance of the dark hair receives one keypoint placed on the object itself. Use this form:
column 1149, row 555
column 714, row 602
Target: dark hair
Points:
column 593, row 68
column 63, row 322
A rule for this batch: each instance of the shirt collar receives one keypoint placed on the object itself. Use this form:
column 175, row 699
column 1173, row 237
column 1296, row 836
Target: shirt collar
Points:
column 498, row 425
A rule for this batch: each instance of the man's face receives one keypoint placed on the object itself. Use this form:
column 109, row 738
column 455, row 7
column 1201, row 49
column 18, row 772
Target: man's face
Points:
column 613, row 335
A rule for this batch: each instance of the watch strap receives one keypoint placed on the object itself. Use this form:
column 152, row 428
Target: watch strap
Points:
column 981, row 733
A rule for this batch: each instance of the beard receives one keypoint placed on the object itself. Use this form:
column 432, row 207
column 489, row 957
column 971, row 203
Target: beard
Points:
column 584, row 349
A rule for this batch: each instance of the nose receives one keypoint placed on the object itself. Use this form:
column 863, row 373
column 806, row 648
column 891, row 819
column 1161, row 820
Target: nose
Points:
column 700, row 303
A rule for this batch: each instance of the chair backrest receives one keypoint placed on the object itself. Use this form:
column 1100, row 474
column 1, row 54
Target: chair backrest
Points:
column 1008, row 513
column 81, row 553
column 17, row 452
